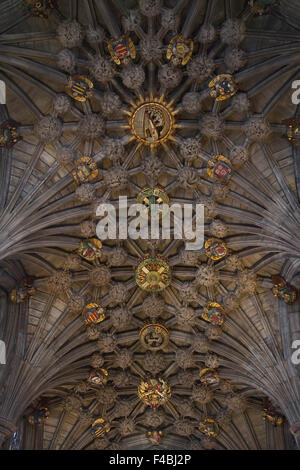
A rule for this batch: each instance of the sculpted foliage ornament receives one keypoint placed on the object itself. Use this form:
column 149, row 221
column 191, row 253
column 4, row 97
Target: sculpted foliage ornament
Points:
column 85, row 193
column 235, row 402
column 79, row 87
column 100, row 275
column 219, row 168
column 153, row 274
column 222, row 87
column 120, row 317
column 186, row 316
column 180, row 50
column 48, row 129
column 92, row 332
column 184, row 427
column 212, row 361
column 184, row 358
column 126, row 426
column 202, row 394
column 150, row 8
column 93, row 313
column 200, row 343
column 121, row 49
column 154, row 392
column 154, row 336
column 70, row 33
column 283, row 290
column 97, row 361
column 107, row 342
column 206, row 275
column 76, row 302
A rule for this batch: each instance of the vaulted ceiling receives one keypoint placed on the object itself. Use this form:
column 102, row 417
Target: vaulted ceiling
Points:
column 45, row 215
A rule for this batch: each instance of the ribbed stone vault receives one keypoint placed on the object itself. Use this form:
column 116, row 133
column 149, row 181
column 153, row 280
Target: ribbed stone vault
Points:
column 44, row 216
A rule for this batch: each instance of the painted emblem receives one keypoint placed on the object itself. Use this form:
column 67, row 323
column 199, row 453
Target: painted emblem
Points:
column 157, row 196
column 100, row 427
column 155, row 437
column 93, row 313
column 79, row 87
column 283, row 290
column 98, row 377
column 219, row 168
column 213, row 313
column 121, row 49
column 209, row 427
column 293, row 130
column 90, row 249
column 270, row 414
column 180, row 50
column 153, row 274
column 23, row 292
column 40, row 8
column 263, row 7
column 222, row 87
column 85, row 170
column 39, row 416
column 154, row 336
column 151, row 121
column 215, row 249
column 154, row 392
column 209, row 377
column 9, row 135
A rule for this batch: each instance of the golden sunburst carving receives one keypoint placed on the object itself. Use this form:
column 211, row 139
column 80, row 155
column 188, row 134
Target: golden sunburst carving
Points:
column 151, row 121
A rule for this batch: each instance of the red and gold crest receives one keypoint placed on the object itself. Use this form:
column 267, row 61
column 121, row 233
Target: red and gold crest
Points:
column 215, row 249
column 154, row 392
column 93, row 313
column 213, row 313
column 90, row 249
column 121, row 49
column 219, row 168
